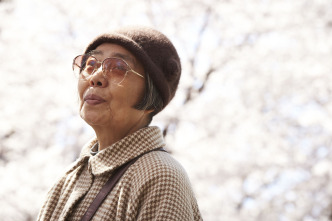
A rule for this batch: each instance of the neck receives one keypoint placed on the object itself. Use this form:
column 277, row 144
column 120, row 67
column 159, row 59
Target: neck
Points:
column 107, row 135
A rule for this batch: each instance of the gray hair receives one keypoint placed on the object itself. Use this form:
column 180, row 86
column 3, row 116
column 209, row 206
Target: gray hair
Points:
column 151, row 99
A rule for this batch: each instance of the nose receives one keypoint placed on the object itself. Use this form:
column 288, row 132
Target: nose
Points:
column 98, row 79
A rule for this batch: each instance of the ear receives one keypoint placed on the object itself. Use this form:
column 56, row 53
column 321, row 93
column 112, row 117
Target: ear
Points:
column 147, row 116
column 148, row 111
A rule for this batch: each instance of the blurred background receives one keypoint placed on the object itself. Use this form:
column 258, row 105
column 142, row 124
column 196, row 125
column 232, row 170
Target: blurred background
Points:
column 251, row 121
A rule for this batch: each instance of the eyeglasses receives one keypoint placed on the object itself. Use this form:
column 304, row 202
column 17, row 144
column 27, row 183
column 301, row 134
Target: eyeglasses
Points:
column 114, row 69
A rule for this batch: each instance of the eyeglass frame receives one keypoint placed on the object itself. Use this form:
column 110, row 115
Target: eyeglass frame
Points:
column 102, row 65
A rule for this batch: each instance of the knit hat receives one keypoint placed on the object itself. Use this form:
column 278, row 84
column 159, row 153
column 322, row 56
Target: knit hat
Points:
column 154, row 50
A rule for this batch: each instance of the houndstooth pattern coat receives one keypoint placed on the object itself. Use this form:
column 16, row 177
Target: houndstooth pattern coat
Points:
column 155, row 187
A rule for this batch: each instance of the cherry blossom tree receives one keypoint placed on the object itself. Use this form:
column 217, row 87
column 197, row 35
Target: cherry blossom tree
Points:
column 251, row 121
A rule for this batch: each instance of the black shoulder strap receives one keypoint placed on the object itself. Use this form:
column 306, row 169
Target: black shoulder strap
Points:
column 108, row 186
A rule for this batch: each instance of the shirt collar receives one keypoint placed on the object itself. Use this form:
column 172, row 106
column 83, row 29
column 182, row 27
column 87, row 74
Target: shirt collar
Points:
column 124, row 150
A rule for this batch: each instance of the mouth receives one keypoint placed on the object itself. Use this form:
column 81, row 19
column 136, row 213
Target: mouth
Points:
column 93, row 99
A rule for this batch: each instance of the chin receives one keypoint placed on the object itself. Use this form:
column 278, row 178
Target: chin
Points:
column 94, row 119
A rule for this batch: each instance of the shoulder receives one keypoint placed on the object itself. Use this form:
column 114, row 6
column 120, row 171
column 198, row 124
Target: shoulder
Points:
column 159, row 168
column 161, row 189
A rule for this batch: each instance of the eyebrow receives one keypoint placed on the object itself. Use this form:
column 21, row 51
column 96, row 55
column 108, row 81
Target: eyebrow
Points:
column 125, row 57
column 93, row 52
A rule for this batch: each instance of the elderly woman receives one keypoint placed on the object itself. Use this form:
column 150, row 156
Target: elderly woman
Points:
column 124, row 78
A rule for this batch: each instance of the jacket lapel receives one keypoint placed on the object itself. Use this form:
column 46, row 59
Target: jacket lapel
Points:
column 82, row 186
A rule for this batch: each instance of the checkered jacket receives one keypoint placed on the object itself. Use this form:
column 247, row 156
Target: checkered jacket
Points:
column 155, row 187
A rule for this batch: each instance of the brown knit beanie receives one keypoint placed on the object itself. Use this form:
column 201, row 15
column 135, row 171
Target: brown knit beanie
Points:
column 154, row 50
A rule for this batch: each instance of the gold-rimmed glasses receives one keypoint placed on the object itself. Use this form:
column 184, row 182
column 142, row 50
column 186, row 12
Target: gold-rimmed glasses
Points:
column 113, row 68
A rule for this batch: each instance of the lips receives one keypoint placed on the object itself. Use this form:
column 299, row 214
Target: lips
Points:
column 93, row 99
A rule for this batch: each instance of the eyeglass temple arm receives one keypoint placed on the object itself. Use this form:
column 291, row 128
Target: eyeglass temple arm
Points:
column 137, row 73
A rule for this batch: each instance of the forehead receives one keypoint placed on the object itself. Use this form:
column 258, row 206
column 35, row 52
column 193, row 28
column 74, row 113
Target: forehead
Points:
column 106, row 50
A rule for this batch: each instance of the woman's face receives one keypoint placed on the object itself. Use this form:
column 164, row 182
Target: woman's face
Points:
column 109, row 105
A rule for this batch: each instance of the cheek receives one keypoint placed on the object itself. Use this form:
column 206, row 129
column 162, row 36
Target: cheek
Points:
column 128, row 95
column 81, row 86
column 137, row 92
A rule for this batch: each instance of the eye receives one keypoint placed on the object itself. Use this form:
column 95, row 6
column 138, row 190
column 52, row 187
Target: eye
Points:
column 90, row 65
column 91, row 62
column 119, row 69
column 115, row 66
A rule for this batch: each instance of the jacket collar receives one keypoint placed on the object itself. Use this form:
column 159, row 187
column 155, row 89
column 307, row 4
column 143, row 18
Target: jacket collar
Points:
column 124, row 150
